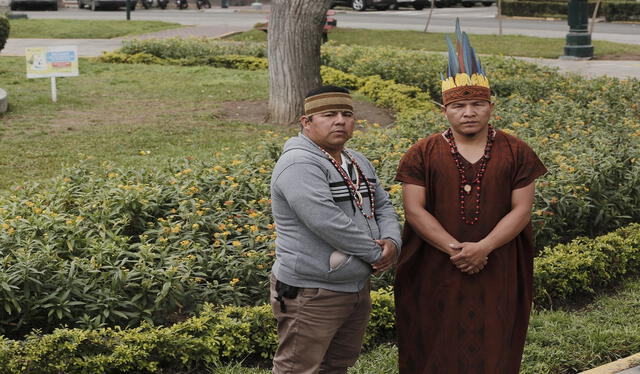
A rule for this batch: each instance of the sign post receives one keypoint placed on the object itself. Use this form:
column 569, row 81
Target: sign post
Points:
column 52, row 62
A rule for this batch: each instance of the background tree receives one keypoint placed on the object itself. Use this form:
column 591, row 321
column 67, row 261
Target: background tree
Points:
column 294, row 39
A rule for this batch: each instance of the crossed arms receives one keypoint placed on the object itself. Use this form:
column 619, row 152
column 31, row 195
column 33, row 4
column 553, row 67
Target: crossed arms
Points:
column 466, row 256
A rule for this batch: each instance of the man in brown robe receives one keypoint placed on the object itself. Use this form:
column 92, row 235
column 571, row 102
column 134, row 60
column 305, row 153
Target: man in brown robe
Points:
column 463, row 287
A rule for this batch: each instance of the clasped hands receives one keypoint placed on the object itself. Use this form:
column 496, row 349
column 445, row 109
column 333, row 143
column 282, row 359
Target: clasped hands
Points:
column 469, row 258
column 388, row 258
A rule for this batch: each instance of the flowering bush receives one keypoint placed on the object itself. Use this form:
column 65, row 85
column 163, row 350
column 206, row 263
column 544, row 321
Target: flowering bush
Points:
column 108, row 246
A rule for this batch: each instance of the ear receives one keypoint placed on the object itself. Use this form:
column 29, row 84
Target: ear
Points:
column 305, row 122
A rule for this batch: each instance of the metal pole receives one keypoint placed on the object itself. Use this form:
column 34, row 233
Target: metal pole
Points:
column 593, row 18
column 54, row 90
column 578, row 43
column 499, row 17
column 128, row 5
column 433, row 3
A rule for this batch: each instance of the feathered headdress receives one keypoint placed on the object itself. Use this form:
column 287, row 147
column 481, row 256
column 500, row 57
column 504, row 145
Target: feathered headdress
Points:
column 465, row 78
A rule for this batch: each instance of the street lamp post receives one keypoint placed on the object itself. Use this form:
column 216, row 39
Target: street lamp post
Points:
column 578, row 43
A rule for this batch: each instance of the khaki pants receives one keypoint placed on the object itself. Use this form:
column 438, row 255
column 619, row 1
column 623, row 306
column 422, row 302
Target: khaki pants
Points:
column 321, row 332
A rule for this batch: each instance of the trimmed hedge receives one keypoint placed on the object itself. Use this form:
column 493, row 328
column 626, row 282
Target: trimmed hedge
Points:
column 611, row 11
column 5, row 28
column 218, row 335
column 584, row 266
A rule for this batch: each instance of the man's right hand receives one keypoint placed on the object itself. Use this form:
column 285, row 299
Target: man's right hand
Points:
column 388, row 258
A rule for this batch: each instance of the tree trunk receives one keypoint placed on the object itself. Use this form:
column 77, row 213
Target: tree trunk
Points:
column 294, row 39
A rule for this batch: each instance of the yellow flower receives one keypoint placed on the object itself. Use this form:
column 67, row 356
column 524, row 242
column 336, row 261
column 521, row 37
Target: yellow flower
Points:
column 253, row 228
column 236, row 243
column 230, row 178
column 185, row 243
column 5, row 226
column 260, row 266
column 195, row 226
column 217, row 243
column 66, row 179
column 234, row 185
column 11, row 231
column 394, row 189
column 162, row 240
column 37, row 210
column 235, row 162
column 198, row 280
column 222, row 226
column 199, row 212
column 112, row 175
column 176, row 229
column 254, row 214
column 228, row 202
column 234, row 281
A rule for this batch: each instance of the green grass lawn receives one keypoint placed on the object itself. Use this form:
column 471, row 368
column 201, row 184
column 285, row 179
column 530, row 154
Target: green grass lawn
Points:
column 83, row 29
column 508, row 45
column 111, row 112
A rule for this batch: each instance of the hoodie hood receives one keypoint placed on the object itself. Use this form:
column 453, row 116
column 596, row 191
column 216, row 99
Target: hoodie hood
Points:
column 302, row 142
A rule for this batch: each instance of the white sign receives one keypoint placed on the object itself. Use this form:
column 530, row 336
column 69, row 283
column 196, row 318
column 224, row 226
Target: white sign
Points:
column 45, row 62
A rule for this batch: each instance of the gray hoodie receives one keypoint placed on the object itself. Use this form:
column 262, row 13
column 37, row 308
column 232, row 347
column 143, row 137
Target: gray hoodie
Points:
column 316, row 217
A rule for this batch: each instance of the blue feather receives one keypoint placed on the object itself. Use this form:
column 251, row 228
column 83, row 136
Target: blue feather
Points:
column 474, row 61
column 466, row 53
column 480, row 68
column 452, row 68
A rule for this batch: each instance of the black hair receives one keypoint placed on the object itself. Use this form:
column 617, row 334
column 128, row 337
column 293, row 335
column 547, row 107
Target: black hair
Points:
column 325, row 89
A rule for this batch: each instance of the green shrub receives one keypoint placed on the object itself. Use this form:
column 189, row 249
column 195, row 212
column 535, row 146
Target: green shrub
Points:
column 217, row 335
column 5, row 27
column 584, row 266
column 178, row 48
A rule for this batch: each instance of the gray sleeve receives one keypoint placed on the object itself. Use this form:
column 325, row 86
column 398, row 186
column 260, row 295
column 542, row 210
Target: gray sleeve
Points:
column 306, row 189
column 386, row 216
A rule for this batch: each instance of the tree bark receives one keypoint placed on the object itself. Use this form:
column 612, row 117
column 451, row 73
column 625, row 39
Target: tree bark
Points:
column 294, row 39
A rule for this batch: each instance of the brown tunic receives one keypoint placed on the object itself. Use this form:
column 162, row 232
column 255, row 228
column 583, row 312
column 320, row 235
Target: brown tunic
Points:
column 447, row 321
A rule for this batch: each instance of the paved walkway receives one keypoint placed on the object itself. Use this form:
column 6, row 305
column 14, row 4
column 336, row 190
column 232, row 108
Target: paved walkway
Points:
column 95, row 47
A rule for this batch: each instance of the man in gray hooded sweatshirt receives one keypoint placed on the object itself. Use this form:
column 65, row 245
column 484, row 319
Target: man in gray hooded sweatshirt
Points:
column 335, row 226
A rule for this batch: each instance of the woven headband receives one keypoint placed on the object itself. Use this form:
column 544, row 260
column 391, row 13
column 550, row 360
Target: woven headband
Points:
column 327, row 102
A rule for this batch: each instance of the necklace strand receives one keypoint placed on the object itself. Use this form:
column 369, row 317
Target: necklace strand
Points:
column 353, row 189
column 467, row 186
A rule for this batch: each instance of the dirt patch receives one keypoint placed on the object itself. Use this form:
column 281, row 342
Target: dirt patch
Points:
column 618, row 57
column 70, row 120
column 256, row 112
column 231, row 111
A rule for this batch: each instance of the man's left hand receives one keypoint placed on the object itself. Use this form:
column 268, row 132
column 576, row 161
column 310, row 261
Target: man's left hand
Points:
column 472, row 257
column 388, row 258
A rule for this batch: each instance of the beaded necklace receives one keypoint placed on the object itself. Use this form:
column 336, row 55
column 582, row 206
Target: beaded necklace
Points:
column 466, row 186
column 353, row 189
